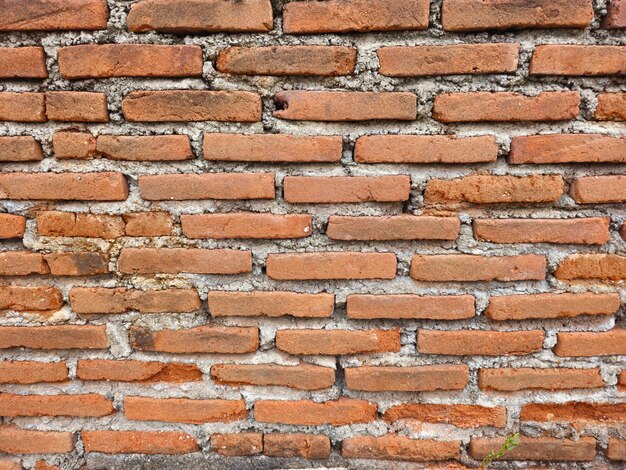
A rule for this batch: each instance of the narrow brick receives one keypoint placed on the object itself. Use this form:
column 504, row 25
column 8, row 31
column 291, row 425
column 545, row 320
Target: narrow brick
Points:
column 399, row 227
column 331, row 265
column 599, row 189
column 139, row 442
column 540, row 448
column 563, row 59
column 22, row 263
column 54, row 337
column 184, row 410
column 129, row 60
column 394, row 447
column 100, row 300
column 606, row 267
column 611, row 106
column 52, row 15
column 346, row 189
column 567, row 148
column 462, row 416
column 408, row 306
column 340, row 412
column 137, row 371
column 87, row 405
column 39, row 298
column 22, row 62
column 425, row 149
column 587, row 231
column 78, row 106
column 301, row 377
column 616, row 15
column 72, row 224
column 12, row 226
column 270, row 304
column 77, row 264
column 145, row 148
column 485, row 106
column 32, row 372
column 238, row 444
column 192, row 105
column 246, row 225
column 70, row 144
column 337, row 342
column 617, row 447
column 479, row 343
column 22, row 107
column 148, row 224
column 588, row 344
column 294, row 445
column 184, row 260
column 14, row 440
column 407, row 379
column 345, row 105
column 527, row 378
column 20, row 149
column 574, row 412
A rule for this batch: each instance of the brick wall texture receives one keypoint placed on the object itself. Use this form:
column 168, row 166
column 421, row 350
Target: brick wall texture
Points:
column 261, row 234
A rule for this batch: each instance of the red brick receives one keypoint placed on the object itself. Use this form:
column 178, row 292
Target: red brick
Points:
column 271, row 148
column 361, row 16
column 184, row 260
column 607, row 267
column 202, row 339
column 562, row 59
column 622, row 232
column 395, row 447
column 90, row 300
column 567, row 148
column 192, row 105
column 611, row 106
column 10, row 464
column 139, row 442
column 70, row 144
column 51, row 15
column 77, row 264
column 337, row 342
column 148, row 224
column 540, row 448
column 22, row 263
column 346, row 189
column 137, row 371
column 184, row 410
column 22, row 62
column 345, row 105
column 182, row 187
column 506, row 106
column 574, row 412
column 209, row 16
column 617, row 447
column 340, row 412
column 477, row 15
column 513, row 380
column 22, row 107
column 270, row 304
column 479, row 343
column 293, row 445
column 287, row 60
column 72, row 224
column 407, row 379
column 43, row 465
column 129, row 60
column 302, row 377
column 535, row 306
column 76, row 106
column 399, row 227
column 425, row 149
column 40, row 298
column 246, row 225
column 331, row 265
column 14, row 440
column 599, row 189
column 587, row 231
column 462, row 416
column 408, row 306
column 20, row 148
column 55, row 405
column 142, row 148
column 54, row 337
column 616, row 15
column 239, row 444
column 32, row 372
column 12, row 226
column 587, row 344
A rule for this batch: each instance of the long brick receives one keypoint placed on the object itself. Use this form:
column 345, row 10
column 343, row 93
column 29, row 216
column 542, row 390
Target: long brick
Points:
column 70, row 144
column 137, row 371
column 237, row 444
column 567, row 148
column 563, row 59
column 344, row 16
column 32, row 372
column 184, row 410
column 340, row 412
column 77, row 264
column 145, row 148
column 479, row 343
column 395, row 447
column 462, row 416
column 271, row 148
column 51, row 15
column 574, row 412
column 22, row 263
column 301, row 377
column 346, row 189
column 599, row 189
column 100, row 300
column 287, row 60
column 78, row 106
column 22, row 62
column 12, row 226
column 535, row 306
column 270, row 304
column 587, row 231
column 607, row 267
column 209, row 16
column 37, row 298
column 527, row 378
column 506, row 106
column 399, row 227
column 408, row 306
column 246, row 225
column 202, row 339
column 616, row 15
column 617, row 447
column 481, row 15
column 588, row 344
column 184, row 260
column 54, row 337
column 192, row 105
column 293, row 445
column 611, row 106
column 87, row 405
column 407, row 379
column 337, row 342
column 72, row 224
column 129, row 60
column 14, row 440
column 541, row 448
column 181, row 187
column 22, row 107
column 331, row 265
column 139, row 442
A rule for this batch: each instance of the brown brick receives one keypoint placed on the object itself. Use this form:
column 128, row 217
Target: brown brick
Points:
column 611, row 106
column 513, row 380
column 506, row 106
column 540, row 448
column 271, row 148
column 40, row 298
column 51, row 15
column 494, row 189
column 395, row 447
column 90, row 300
column 477, row 15
column 607, row 267
column 64, row 186
column 622, row 231
column 462, row 416
column 302, row 377
column 76, row 106
column 287, row 60
column 345, row 105
column 573, row 412
column 425, row 149
column 408, row 306
column 192, row 105
column 616, row 16
column 567, row 148
column 202, row 339
column 12, row 226
column 340, row 412
column 22, row 263
column 337, row 342
column 246, row 225
column 407, row 379
column 209, row 16
column 184, row 260
column 293, row 445
column 148, row 224
column 22, row 107
column 270, row 304
column 562, row 59
column 346, row 189
column 184, row 410
column 479, row 343
column 55, row 405
column 617, row 447
column 145, row 148
column 361, row 16
column 54, row 337
column 239, row 444
column 22, row 62
column 32, row 372
column 599, row 189
column 399, row 227
column 587, row 344
column 72, row 224
column 331, row 265
column 14, row 440
column 129, row 60
column 70, row 144
column 182, row 187
column 535, row 306
column 587, row 231
column 139, row 442
column 77, row 264
column 19, row 148
column 137, row 371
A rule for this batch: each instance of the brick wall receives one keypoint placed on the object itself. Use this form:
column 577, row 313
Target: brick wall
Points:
column 243, row 234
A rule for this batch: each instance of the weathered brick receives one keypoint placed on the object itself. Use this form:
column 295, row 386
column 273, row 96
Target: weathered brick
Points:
column 70, row 144
column 340, row 412
column 40, row 298
column 43, row 465
column 516, row 379
column 399, row 227
column 408, row 306
column 14, row 440
column 95, row 300
column 239, row 444
column 55, row 405
column 76, row 106
column 611, row 106
column 12, row 226
column 563, row 59
column 23, row 62
column 72, row 224
column 337, row 342
column 184, row 410
column 22, row 107
column 506, row 106
column 184, row 260
column 270, row 304
column 539, row 448
column 346, row 189
column 246, row 225
column 599, row 189
column 148, row 224
column 145, row 148
column 479, row 343
column 7, row 463
column 407, row 379
column 607, row 267
column 587, row 231
column 51, row 15
column 395, row 447
column 54, row 337
column 137, row 371
column 293, row 445
column 616, row 15
column 77, row 264
column 22, row 263
column 573, row 412
column 567, row 148
column 20, row 149
column 462, row 416
column 617, row 447
column 139, row 442
column 32, row 372
column 587, row 344
column 302, row 377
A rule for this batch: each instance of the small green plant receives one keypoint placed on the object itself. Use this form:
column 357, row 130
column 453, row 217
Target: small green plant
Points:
column 510, row 443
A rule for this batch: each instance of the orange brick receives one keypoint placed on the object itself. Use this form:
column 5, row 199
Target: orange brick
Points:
column 246, row 225
column 407, row 306
column 22, row 107
column 346, row 189
column 462, row 416
column 51, row 15
column 70, row 144
column 32, row 372
column 12, row 226
column 184, row 410
column 541, row 448
column 137, row 371
column 10, row 464
column 270, row 304
column 22, row 263
column 587, row 344
column 599, row 189
column 100, row 300
column 587, row 231
column 293, row 445
column 337, row 342
column 407, row 379
column 148, row 224
column 145, row 147
column 399, row 227
column 72, row 224
column 77, row 264
column 54, row 337
column 22, row 62
column 14, row 440
column 513, row 380
column 574, row 412
column 184, row 260
column 76, row 106
column 40, row 298
column 479, row 343
column 139, row 442
column 20, row 148
column 302, row 377
column 239, row 444
column 617, row 449
column 616, row 15
column 395, row 447
column 567, row 148
column 340, row 412
column 565, row 59
column 55, row 405
column 606, row 267
column 611, row 106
